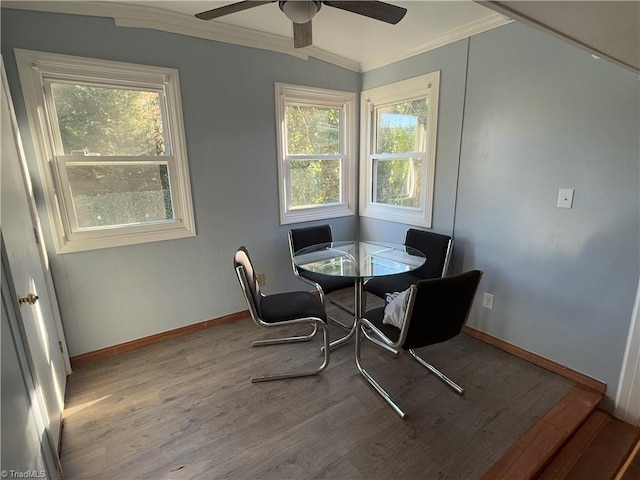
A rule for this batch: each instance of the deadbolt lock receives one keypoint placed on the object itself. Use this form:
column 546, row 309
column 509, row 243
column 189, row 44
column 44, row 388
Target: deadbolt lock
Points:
column 31, row 299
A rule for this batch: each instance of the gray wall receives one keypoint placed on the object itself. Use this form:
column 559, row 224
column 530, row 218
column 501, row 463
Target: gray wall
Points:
column 115, row 295
column 538, row 114
column 451, row 61
column 521, row 114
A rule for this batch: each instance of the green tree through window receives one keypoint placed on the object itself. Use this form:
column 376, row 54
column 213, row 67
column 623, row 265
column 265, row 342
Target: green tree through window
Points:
column 108, row 121
column 313, row 132
column 113, row 122
column 400, row 130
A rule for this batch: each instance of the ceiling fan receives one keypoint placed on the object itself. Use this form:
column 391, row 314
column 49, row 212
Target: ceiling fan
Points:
column 300, row 12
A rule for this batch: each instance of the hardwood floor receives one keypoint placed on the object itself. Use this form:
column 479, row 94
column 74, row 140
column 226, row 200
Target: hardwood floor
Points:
column 186, row 409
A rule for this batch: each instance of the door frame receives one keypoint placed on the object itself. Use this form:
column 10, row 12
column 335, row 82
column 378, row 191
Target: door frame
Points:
column 627, row 404
column 37, row 227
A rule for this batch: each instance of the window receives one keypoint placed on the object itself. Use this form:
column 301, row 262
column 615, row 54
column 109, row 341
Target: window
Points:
column 110, row 144
column 316, row 153
column 399, row 123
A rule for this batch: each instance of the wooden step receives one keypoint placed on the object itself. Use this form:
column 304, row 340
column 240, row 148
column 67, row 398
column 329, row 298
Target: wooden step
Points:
column 631, row 469
column 528, row 457
column 596, row 451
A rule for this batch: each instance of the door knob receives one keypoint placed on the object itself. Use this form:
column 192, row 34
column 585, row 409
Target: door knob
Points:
column 30, row 299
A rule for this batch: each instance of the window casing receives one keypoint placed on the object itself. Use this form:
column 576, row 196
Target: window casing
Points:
column 398, row 150
column 111, row 151
column 316, row 153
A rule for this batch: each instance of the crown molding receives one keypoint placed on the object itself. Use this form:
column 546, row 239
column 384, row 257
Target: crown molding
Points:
column 468, row 30
column 148, row 17
column 125, row 15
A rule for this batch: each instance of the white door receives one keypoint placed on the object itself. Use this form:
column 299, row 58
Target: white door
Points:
column 24, row 448
column 20, row 226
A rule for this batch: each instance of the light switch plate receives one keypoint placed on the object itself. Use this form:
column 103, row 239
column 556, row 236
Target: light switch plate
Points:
column 565, row 198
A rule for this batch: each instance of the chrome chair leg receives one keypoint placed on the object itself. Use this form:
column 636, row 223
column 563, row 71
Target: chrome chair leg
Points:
column 383, row 393
column 357, row 313
column 342, row 306
column 345, row 308
column 377, row 342
column 457, row 388
column 325, row 362
column 278, row 341
column 343, row 326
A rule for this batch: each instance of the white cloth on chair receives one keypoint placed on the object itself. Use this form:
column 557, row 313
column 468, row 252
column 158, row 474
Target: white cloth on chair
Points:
column 394, row 310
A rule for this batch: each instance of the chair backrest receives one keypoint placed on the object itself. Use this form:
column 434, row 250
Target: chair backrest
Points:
column 248, row 281
column 435, row 246
column 440, row 308
column 300, row 238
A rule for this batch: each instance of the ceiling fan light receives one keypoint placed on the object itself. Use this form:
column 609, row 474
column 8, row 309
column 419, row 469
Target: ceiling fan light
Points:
column 299, row 11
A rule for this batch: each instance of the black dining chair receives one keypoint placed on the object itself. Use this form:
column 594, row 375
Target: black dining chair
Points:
column 435, row 312
column 437, row 249
column 279, row 310
column 300, row 238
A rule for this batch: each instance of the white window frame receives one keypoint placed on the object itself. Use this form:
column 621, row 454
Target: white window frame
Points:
column 346, row 101
column 406, row 90
column 37, row 70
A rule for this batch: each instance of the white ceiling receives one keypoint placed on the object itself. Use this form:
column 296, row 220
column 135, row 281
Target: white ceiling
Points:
column 341, row 37
column 361, row 39
column 608, row 28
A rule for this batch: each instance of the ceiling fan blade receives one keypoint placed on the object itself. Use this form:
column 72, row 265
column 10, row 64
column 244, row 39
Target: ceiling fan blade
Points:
column 302, row 34
column 382, row 11
column 231, row 8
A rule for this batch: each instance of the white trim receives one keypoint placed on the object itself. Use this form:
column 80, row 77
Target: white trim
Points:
column 416, row 87
column 137, row 16
column 154, row 18
column 35, row 219
column 32, row 68
column 346, row 101
column 460, row 33
column 627, row 404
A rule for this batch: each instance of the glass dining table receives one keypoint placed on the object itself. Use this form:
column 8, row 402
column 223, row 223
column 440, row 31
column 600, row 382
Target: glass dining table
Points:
column 361, row 261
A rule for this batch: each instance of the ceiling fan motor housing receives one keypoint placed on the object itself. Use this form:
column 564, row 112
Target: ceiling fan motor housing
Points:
column 299, row 11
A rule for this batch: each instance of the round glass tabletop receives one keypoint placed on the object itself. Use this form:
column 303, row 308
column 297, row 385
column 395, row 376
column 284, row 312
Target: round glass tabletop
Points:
column 358, row 259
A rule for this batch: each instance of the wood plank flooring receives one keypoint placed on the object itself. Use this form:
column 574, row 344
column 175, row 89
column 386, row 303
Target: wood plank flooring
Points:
column 185, row 409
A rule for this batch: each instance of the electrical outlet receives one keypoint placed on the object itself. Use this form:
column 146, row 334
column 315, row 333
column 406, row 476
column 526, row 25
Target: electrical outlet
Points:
column 261, row 279
column 487, row 300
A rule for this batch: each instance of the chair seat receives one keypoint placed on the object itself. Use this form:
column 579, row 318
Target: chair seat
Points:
column 328, row 284
column 280, row 307
column 379, row 286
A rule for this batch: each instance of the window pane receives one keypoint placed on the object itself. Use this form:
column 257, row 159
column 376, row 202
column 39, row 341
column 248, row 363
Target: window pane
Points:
column 120, row 194
column 398, row 182
column 312, row 130
column 402, row 127
column 108, row 121
column 315, row 182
